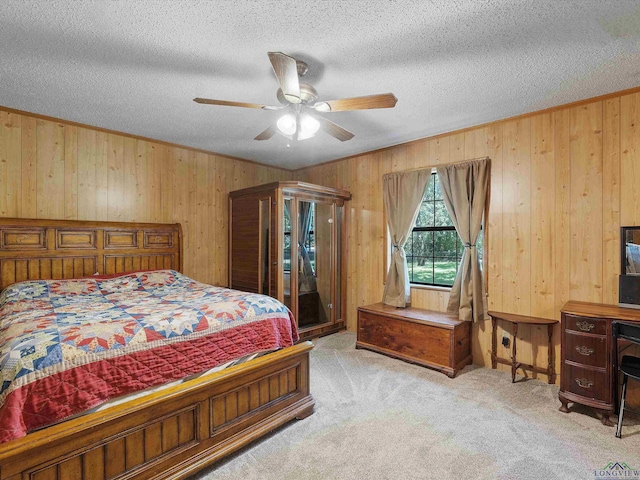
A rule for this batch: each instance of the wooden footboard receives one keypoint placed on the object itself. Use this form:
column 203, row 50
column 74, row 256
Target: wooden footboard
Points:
column 172, row 433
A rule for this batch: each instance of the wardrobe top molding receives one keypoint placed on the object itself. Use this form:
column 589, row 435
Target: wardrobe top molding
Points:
column 293, row 187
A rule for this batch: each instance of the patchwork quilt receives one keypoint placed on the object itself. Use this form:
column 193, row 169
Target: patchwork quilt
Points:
column 67, row 346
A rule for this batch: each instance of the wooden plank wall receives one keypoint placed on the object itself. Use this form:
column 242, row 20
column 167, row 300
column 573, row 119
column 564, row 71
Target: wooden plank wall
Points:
column 562, row 183
column 53, row 169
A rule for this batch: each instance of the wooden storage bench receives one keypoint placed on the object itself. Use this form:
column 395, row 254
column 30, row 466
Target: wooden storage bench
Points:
column 432, row 339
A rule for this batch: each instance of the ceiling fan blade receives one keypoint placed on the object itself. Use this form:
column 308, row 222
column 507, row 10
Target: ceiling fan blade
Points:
column 227, row 103
column 384, row 100
column 286, row 71
column 335, row 130
column 268, row 133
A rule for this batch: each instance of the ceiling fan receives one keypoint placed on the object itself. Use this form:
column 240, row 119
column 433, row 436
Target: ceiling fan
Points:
column 299, row 98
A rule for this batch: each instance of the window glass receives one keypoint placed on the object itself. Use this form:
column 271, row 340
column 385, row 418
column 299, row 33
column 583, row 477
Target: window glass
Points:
column 287, row 235
column 310, row 243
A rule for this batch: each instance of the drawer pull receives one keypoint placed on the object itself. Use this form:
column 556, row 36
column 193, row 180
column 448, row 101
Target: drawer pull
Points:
column 584, row 383
column 586, row 351
column 585, row 326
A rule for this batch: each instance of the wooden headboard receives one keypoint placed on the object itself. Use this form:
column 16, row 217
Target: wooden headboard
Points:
column 33, row 249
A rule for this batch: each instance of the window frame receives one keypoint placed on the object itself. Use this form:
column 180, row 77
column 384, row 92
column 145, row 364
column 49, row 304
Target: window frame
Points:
column 433, row 257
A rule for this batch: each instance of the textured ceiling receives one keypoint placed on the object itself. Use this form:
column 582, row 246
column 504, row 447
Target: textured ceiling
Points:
column 136, row 66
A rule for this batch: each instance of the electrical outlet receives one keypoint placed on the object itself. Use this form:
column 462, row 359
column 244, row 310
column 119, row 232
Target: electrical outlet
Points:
column 505, row 340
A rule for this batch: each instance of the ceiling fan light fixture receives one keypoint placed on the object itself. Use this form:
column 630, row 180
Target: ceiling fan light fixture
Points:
column 287, row 124
column 309, row 126
column 322, row 107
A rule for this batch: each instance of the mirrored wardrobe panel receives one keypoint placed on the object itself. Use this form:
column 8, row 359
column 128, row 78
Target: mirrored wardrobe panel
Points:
column 315, row 250
column 299, row 255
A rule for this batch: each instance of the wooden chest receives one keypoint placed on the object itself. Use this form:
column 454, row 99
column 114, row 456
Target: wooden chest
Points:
column 432, row 339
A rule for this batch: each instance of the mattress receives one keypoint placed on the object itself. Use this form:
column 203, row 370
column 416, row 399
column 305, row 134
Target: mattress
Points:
column 68, row 346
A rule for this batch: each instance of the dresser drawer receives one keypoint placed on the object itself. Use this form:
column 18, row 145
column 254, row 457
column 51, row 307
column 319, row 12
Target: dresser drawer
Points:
column 596, row 326
column 587, row 383
column 586, row 349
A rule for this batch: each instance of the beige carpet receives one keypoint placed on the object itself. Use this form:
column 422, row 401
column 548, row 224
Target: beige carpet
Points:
column 380, row 418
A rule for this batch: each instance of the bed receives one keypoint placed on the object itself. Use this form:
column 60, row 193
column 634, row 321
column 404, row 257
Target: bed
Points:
column 170, row 433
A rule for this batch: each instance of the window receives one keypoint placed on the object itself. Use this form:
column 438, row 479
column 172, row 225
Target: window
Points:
column 434, row 249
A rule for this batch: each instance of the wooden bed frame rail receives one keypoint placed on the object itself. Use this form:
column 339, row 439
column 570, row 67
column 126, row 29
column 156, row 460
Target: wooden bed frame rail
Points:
column 171, row 433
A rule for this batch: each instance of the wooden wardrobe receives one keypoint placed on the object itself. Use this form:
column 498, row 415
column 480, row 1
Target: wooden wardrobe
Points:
column 288, row 240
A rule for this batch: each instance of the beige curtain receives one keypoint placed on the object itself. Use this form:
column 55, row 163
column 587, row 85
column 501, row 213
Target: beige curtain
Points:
column 464, row 189
column 403, row 192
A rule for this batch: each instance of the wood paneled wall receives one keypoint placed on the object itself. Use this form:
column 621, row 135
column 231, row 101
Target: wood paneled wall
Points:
column 58, row 170
column 562, row 183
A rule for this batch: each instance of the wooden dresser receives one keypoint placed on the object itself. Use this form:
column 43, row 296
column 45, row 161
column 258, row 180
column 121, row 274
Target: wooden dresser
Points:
column 588, row 356
column 432, row 339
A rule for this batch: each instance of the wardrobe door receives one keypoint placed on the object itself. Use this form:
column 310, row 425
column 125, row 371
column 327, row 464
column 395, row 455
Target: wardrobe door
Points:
column 315, row 263
column 268, row 247
column 324, row 258
column 287, row 264
column 244, row 243
column 253, row 256
column 340, row 262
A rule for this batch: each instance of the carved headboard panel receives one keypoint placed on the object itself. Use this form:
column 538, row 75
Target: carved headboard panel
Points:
column 33, row 249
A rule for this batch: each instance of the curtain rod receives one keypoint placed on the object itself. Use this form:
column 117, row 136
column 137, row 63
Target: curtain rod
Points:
column 435, row 166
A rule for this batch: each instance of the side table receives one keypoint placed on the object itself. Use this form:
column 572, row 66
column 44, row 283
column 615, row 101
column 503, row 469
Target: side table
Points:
column 515, row 320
